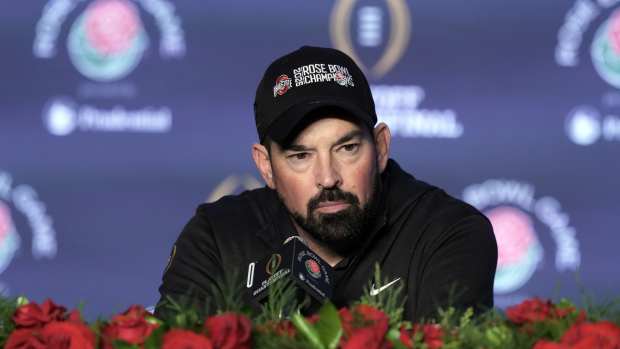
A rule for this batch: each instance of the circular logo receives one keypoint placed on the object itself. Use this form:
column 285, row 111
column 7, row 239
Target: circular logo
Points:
column 519, row 250
column 273, row 263
column 9, row 239
column 583, row 125
column 107, row 41
column 605, row 50
column 60, row 117
column 313, row 268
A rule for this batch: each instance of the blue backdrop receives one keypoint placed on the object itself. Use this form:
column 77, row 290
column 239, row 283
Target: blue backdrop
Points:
column 119, row 117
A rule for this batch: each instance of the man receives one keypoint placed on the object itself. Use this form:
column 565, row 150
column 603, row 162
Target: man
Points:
column 330, row 181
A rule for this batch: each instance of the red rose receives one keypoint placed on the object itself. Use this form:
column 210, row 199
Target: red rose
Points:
column 405, row 337
column 24, row 339
column 313, row 319
column 131, row 327
column 279, row 328
column 75, row 316
column 602, row 334
column 32, row 315
column 229, row 331
column 563, row 312
column 67, row 335
column 530, row 310
column 433, row 335
column 368, row 338
column 183, row 339
column 361, row 316
column 364, row 327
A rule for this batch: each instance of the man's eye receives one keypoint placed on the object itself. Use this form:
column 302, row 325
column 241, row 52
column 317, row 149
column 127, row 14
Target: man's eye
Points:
column 298, row 156
column 351, row 147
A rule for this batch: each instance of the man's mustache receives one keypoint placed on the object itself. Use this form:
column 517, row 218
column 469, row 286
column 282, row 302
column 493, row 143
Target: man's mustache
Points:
column 332, row 195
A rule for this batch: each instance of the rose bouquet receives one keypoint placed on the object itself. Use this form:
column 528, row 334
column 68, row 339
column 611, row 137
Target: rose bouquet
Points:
column 372, row 323
column 535, row 323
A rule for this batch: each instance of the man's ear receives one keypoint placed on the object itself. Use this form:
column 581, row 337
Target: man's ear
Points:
column 383, row 137
column 263, row 165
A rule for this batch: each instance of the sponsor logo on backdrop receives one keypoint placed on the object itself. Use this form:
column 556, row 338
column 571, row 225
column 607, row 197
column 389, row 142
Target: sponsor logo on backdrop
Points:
column 588, row 124
column 520, row 220
column 105, row 43
column 62, row 117
column 399, row 107
column 234, row 184
column 22, row 200
column 383, row 29
column 585, row 126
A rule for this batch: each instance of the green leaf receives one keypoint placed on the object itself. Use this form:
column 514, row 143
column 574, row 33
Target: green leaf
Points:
column 21, row 300
column 118, row 344
column 329, row 327
column 155, row 339
column 393, row 336
column 308, row 331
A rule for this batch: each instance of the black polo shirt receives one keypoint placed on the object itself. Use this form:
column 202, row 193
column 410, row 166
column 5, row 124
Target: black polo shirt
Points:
column 442, row 250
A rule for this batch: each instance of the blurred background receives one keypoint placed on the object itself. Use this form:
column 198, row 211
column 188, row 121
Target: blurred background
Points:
column 119, row 117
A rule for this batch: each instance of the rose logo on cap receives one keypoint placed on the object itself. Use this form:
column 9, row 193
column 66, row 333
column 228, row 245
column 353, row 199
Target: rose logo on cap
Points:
column 283, row 84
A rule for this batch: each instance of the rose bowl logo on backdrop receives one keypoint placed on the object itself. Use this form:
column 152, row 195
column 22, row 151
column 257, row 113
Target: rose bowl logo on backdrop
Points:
column 9, row 239
column 605, row 50
column 23, row 199
column 519, row 250
column 515, row 212
column 585, row 123
column 107, row 41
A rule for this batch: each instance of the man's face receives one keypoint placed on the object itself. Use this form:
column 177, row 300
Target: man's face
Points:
column 328, row 178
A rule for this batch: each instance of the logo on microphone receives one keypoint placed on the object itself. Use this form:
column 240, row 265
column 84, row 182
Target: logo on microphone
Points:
column 313, row 268
column 273, row 263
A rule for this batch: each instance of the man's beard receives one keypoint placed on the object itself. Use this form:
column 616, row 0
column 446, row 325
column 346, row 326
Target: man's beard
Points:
column 342, row 231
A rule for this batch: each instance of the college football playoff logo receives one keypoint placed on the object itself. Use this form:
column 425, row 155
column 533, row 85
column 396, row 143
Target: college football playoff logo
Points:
column 371, row 24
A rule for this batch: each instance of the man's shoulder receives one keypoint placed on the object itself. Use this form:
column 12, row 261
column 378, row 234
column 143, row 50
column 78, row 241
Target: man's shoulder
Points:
column 235, row 202
column 416, row 197
column 249, row 207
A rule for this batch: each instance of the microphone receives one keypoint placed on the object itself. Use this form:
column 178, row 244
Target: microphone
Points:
column 293, row 260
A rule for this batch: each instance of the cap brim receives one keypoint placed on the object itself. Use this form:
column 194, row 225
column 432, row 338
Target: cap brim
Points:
column 288, row 125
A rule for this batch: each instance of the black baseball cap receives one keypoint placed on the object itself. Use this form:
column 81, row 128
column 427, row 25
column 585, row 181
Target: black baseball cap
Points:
column 306, row 80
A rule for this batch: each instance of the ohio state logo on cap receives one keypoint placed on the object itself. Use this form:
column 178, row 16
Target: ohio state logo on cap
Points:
column 283, row 84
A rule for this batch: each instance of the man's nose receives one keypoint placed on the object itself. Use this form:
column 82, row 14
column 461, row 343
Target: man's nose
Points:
column 327, row 173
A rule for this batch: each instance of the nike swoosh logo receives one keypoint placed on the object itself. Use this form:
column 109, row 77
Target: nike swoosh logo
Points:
column 375, row 291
